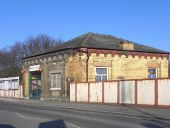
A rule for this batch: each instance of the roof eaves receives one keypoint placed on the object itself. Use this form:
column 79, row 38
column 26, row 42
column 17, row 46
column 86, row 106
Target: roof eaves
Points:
column 48, row 53
column 127, row 50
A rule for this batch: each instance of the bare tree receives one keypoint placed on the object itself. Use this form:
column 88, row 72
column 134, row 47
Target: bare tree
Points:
column 11, row 64
column 38, row 44
column 7, row 67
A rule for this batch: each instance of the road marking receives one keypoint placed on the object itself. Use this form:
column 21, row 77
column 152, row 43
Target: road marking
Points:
column 20, row 115
column 138, row 116
column 135, row 116
column 73, row 125
column 27, row 117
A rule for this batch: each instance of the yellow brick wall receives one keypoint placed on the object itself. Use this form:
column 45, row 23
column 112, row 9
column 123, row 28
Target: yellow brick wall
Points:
column 26, row 84
column 119, row 66
column 74, row 68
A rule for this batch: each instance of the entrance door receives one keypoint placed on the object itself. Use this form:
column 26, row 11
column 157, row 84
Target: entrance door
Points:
column 35, row 91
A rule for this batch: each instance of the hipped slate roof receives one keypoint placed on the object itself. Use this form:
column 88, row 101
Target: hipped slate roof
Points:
column 100, row 41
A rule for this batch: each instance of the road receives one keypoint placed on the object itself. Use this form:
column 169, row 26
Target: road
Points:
column 25, row 116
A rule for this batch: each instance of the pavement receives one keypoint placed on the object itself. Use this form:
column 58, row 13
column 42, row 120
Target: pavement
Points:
column 160, row 113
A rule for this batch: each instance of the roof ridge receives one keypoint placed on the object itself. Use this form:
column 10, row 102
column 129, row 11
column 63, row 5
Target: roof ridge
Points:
column 86, row 39
column 109, row 35
column 102, row 41
column 81, row 36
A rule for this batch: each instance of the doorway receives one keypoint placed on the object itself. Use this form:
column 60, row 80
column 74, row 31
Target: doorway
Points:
column 35, row 85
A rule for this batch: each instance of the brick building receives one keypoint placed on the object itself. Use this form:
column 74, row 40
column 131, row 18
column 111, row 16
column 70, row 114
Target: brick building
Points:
column 90, row 57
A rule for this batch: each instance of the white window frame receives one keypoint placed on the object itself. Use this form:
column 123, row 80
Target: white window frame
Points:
column 155, row 73
column 98, row 74
column 55, row 88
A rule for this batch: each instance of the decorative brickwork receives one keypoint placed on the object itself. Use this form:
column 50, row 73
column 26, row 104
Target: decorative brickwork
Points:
column 79, row 65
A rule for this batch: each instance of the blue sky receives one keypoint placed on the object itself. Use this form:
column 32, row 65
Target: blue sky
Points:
column 143, row 21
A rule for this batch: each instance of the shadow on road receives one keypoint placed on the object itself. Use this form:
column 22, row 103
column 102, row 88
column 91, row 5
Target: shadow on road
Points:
column 52, row 124
column 6, row 126
column 155, row 121
column 150, row 125
column 145, row 113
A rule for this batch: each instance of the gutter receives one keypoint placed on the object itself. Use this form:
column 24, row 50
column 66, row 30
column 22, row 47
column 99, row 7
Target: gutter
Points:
column 40, row 54
column 87, row 62
column 87, row 51
column 87, row 65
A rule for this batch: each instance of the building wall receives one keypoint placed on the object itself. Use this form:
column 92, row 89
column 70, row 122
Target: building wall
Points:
column 72, row 65
column 50, row 63
column 120, row 65
column 26, row 83
column 75, row 68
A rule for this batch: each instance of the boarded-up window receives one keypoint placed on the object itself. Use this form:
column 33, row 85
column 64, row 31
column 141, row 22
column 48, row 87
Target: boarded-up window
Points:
column 56, row 81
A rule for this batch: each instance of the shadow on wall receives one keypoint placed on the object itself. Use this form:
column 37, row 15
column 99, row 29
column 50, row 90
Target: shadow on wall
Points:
column 6, row 126
column 52, row 124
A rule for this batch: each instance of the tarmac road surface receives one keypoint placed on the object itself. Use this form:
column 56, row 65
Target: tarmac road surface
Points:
column 25, row 116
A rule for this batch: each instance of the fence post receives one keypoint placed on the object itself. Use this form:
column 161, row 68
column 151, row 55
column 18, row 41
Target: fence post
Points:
column 156, row 91
column 14, row 93
column 118, row 92
column 136, row 93
column 102, row 92
column 88, row 92
column 20, row 91
column 75, row 92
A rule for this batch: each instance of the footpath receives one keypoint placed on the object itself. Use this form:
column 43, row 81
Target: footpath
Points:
column 153, row 112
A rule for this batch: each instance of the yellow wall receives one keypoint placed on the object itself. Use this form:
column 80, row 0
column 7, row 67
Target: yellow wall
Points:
column 26, row 84
column 119, row 66
column 75, row 67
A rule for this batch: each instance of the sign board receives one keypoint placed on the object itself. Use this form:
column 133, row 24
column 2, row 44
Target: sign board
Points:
column 34, row 68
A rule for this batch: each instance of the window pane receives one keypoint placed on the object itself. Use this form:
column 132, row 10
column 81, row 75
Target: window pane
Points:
column 9, row 84
column 15, row 84
column 101, row 74
column 101, row 71
column 152, row 76
column 98, row 70
column 152, row 73
column 104, row 71
column 98, row 78
column 104, row 78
